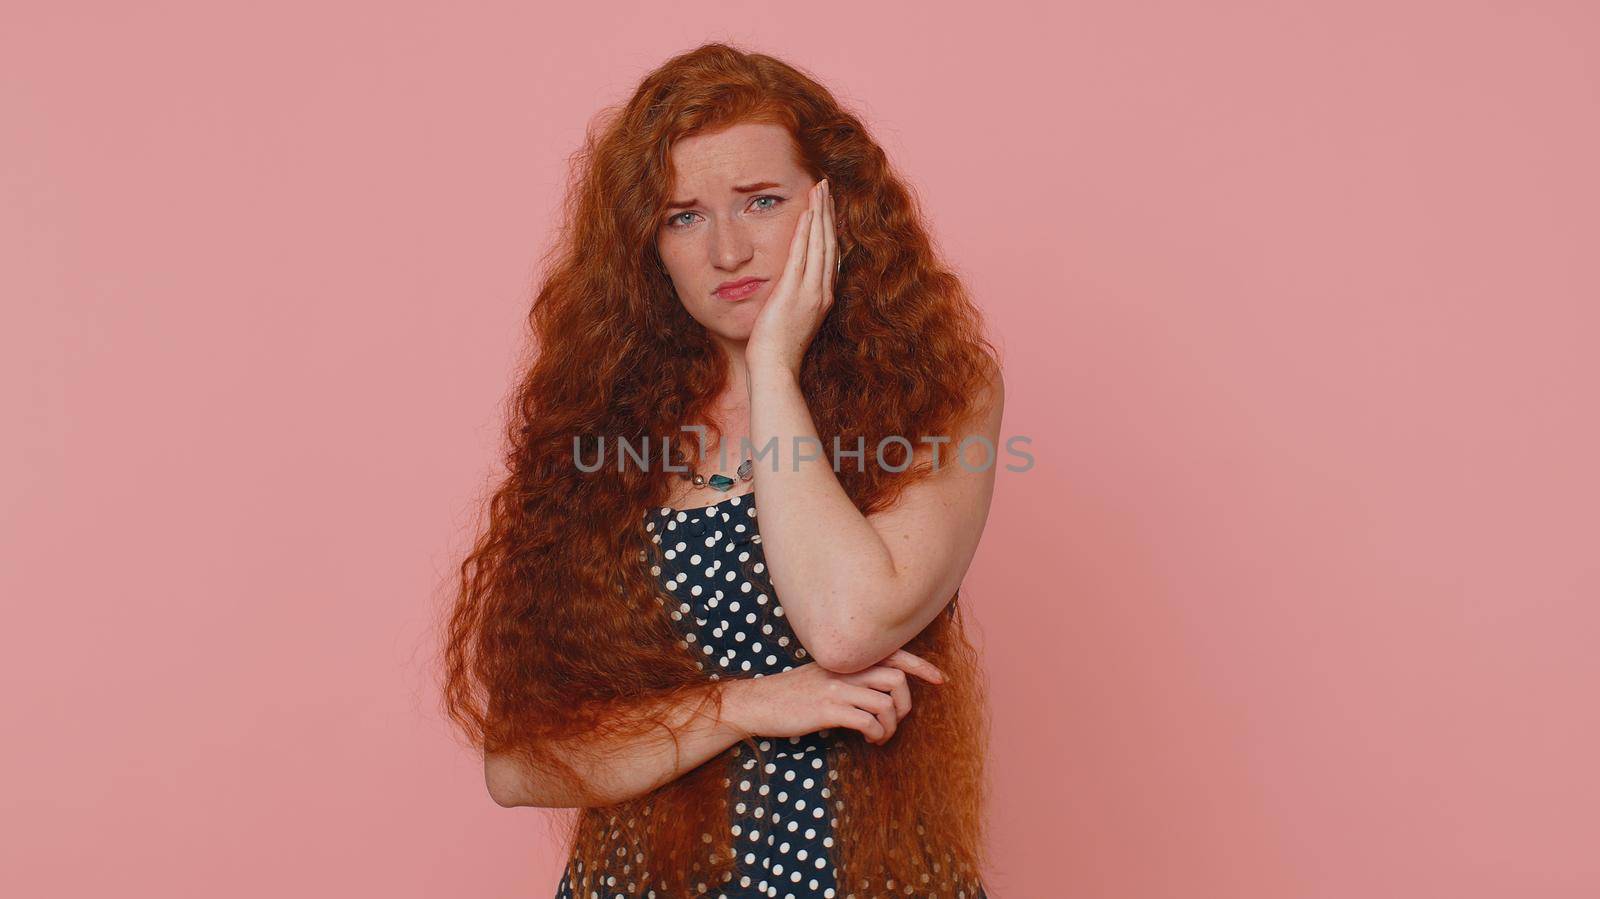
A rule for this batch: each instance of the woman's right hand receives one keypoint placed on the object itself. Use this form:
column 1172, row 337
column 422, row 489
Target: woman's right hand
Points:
column 810, row 698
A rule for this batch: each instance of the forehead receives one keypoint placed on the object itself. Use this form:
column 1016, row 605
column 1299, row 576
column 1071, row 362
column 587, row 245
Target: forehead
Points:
column 737, row 154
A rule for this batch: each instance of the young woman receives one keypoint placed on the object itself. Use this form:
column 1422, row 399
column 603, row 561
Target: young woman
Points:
column 738, row 257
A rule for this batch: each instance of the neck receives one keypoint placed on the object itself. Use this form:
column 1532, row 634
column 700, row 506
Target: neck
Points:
column 736, row 395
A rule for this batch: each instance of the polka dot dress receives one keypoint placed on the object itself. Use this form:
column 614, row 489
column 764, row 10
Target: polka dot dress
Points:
column 782, row 804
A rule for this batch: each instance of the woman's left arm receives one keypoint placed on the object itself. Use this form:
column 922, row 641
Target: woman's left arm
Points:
column 856, row 588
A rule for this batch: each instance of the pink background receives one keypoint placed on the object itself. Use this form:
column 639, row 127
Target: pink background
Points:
column 1298, row 306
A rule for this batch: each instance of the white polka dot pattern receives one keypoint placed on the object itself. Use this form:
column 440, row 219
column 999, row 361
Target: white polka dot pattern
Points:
column 783, row 809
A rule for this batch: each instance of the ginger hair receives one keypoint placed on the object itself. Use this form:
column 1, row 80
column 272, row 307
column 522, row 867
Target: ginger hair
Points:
column 558, row 632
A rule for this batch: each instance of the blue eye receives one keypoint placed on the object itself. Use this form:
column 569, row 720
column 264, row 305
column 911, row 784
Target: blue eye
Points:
column 673, row 220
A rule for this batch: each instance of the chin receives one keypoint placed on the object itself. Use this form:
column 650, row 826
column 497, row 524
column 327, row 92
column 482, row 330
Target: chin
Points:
column 728, row 322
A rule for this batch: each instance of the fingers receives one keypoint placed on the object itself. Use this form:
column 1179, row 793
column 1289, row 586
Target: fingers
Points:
column 830, row 249
column 891, row 681
column 880, row 705
column 794, row 268
column 913, row 664
column 865, row 722
column 815, row 248
column 874, row 701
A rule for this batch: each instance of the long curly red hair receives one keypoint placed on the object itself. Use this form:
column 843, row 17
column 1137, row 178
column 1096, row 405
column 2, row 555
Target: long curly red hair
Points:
column 558, row 630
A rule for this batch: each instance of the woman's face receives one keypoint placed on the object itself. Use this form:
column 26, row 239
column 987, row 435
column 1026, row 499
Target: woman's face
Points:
column 735, row 202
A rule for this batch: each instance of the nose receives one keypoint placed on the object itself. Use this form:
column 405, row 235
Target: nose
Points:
column 731, row 245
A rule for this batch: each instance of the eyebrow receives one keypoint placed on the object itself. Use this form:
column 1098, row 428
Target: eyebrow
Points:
column 738, row 188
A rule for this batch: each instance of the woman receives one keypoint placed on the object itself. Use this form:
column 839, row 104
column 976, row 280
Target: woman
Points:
column 738, row 257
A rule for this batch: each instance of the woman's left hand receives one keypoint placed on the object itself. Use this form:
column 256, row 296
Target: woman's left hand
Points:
column 804, row 292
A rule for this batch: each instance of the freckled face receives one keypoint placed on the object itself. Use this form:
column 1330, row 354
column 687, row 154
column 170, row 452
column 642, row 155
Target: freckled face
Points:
column 744, row 192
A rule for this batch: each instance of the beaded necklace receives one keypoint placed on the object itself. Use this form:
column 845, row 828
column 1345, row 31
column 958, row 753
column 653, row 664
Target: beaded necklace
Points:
column 720, row 481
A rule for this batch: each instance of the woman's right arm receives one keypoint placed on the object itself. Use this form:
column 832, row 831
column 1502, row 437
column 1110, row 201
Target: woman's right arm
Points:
column 630, row 769
column 797, row 702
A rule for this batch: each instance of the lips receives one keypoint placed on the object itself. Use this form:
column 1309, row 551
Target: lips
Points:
column 740, row 289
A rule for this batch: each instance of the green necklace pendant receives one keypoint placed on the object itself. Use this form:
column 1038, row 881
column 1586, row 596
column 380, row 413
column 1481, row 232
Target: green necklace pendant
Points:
column 722, row 482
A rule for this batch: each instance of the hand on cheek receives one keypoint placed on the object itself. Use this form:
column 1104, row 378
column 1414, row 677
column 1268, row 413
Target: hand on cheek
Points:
column 804, row 292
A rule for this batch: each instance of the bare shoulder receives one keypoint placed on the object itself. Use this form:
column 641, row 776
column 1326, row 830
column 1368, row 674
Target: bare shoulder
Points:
column 991, row 400
column 987, row 406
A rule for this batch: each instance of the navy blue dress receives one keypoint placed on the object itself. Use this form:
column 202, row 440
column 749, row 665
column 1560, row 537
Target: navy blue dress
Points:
column 782, row 806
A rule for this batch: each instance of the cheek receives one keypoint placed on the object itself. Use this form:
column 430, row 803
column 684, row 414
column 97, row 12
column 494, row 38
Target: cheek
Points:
column 674, row 260
column 772, row 240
